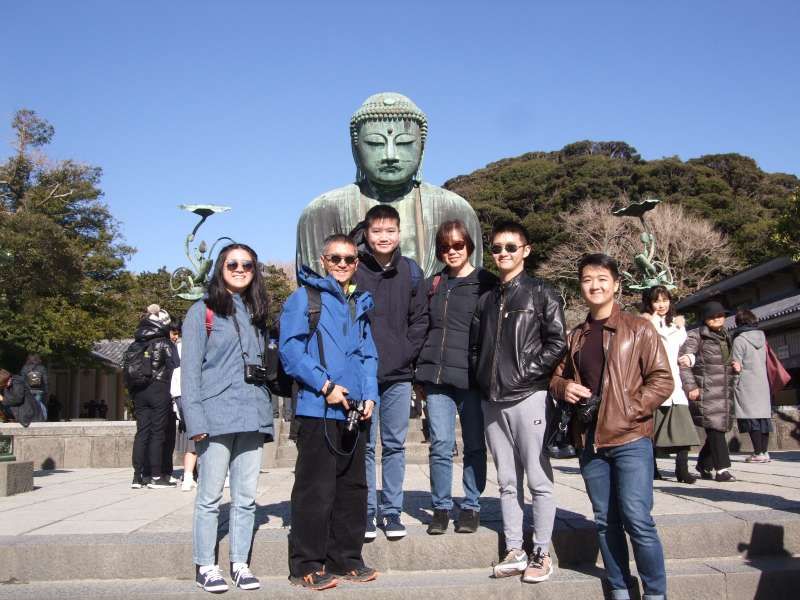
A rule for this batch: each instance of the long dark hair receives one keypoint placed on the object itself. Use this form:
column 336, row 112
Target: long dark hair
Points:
column 652, row 294
column 255, row 296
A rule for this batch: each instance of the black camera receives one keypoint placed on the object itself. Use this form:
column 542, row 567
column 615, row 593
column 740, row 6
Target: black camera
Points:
column 353, row 415
column 255, row 374
column 587, row 411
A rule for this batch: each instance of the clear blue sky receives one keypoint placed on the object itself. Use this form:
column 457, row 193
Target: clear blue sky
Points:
column 247, row 103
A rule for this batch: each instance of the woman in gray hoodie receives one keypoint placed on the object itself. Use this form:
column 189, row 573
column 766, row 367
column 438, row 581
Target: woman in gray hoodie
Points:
column 751, row 395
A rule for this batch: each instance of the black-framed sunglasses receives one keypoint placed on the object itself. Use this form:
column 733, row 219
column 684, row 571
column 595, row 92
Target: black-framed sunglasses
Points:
column 232, row 265
column 457, row 246
column 510, row 248
column 336, row 259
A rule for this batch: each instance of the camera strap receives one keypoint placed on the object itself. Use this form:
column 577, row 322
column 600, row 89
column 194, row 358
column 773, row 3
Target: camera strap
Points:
column 245, row 356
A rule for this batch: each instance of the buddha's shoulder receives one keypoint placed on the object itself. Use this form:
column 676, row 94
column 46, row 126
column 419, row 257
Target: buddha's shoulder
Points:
column 439, row 193
column 333, row 197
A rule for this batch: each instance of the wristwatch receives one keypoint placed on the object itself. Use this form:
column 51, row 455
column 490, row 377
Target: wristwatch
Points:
column 326, row 391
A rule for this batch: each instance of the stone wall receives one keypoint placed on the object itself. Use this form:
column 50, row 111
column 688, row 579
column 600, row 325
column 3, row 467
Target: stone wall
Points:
column 85, row 444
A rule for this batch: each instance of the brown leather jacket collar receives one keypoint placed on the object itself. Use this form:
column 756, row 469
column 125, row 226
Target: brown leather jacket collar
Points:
column 637, row 378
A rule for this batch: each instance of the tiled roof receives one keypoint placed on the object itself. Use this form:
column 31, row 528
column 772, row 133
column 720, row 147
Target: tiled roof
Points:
column 111, row 351
column 772, row 310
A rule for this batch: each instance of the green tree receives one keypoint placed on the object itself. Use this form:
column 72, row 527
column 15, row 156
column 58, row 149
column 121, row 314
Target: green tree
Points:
column 62, row 277
column 787, row 232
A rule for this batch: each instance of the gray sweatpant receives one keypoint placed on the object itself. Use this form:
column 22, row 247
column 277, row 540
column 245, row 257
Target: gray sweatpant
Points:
column 515, row 435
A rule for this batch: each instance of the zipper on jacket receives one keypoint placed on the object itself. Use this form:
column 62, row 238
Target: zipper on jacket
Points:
column 497, row 341
column 444, row 336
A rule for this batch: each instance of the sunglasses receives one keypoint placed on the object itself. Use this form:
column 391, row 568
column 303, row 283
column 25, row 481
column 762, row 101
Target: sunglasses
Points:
column 233, row 265
column 510, row 248
column 349, row 260
column 457, row 246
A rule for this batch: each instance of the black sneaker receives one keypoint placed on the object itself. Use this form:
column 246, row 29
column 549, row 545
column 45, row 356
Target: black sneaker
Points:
column 393, row 528
column 468, row 521
column 211, row 580
column 371, row 532
column 361, row 575
column 160, row 482
column 244, row 579
column 315, row 581
column 438, row 524
column 724, row 476
column 137, row 483
column 703, row 473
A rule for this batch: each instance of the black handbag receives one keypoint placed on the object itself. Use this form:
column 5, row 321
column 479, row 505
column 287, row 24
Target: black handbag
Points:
column 557, row 439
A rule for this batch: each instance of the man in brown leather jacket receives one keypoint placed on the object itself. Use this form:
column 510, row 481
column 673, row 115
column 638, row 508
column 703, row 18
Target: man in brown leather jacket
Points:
column 616, row 361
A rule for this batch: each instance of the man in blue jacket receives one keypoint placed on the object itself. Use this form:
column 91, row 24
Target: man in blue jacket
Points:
column 399, row 322
column 336, row 369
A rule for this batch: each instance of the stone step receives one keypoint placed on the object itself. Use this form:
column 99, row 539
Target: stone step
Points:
column 730, row 578
column 169, row 554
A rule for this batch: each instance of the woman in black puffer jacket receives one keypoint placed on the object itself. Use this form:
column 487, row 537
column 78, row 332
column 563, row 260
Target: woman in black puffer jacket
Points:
column 443, row 369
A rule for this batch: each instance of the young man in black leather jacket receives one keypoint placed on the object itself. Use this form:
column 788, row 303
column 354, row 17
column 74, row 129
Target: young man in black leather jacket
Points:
column 517, row 339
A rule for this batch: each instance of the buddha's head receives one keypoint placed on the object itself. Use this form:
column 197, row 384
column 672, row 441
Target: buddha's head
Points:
column 388, row 136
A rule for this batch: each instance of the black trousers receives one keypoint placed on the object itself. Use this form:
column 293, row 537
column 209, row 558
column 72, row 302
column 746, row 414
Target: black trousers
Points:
column 170, row 433
column 714, row 453
column 329, row 499
column 152, row 406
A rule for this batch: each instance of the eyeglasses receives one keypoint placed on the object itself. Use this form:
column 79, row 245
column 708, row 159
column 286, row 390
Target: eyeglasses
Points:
column 457, row 246
column 510, row 248
column 349, row 260
column 233, row 265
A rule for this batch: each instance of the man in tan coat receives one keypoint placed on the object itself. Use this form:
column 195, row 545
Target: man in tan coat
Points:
column 615, row 374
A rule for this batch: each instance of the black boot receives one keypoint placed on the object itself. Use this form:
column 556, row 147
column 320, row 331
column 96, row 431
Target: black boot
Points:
column 656, row 472
column 468, row 521
column 682, row 468
column 439, row 522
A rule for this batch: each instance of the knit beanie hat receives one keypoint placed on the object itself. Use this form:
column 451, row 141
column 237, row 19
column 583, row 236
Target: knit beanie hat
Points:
column 155, row 314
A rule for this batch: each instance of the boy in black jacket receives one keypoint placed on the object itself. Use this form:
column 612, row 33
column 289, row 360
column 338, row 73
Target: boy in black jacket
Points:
column 399, row 323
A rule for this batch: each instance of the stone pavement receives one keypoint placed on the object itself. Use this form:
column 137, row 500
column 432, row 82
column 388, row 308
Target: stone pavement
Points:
column 87, row 524
column 100, row 501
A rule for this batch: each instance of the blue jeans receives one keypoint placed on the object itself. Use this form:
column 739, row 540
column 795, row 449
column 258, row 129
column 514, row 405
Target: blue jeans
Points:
column 241, row 453
column 443, row 401
column 393, row 414
column 619, row 481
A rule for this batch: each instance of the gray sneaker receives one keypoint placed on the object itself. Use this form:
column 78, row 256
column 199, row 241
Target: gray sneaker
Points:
column 513, row 564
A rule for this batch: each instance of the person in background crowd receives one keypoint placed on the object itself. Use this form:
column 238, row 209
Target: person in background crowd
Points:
column 227, row 408
column 449, row 387
column 152, row 404
column 751, row 393
column 35, row 375
column 708, row 382
column 336, row 371
column 171, row 428
column 616, row 373
column 674, row 430
column 517, row 338
column 399, row 322
column 17, row 401
column 53, row 408
column 183, row 443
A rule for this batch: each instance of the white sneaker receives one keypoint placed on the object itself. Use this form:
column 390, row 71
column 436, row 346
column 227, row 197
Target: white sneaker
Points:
column 187, row 485
column 227, row 481
column 513, row 564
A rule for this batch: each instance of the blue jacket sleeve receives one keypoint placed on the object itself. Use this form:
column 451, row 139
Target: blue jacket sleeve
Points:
column 369, row 354
column 297, row 362
column 193, row 352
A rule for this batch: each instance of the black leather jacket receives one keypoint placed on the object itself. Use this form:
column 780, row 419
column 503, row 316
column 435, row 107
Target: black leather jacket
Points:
column 517, row 338
column 162, row 351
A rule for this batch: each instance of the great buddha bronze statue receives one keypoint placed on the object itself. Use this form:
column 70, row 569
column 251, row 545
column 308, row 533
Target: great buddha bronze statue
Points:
column 387, row 135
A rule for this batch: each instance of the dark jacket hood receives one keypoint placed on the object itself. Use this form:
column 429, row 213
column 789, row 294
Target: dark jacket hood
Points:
column 150, row 330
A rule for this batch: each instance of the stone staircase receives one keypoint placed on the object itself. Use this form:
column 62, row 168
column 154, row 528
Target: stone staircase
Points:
column 712, row 555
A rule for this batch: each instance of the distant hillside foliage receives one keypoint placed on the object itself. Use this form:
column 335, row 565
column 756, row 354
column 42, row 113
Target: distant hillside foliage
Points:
column 730, row 190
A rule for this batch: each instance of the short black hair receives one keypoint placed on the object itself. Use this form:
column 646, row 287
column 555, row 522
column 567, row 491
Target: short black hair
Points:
column 379, row 212
column 509, row 227
column 745, row 317
column 598, row 259
column 335, row 238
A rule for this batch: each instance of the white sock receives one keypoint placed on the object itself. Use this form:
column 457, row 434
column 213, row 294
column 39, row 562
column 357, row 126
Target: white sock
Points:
column 237, row 566
column 206, row 568
column 722, row 470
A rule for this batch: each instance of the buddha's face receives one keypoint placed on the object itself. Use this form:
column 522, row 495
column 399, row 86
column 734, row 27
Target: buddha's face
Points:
column 389, row 152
